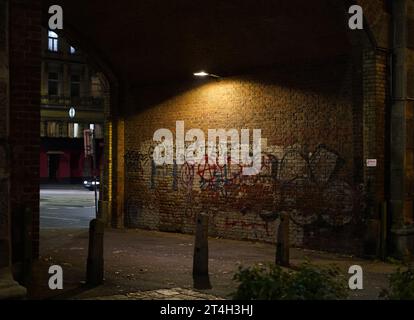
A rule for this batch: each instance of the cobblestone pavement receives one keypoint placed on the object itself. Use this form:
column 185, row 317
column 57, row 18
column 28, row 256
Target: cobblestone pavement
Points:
column 162, row 294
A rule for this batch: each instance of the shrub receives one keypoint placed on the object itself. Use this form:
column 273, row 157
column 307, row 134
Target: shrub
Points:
column 401, row 286
column 309, row 282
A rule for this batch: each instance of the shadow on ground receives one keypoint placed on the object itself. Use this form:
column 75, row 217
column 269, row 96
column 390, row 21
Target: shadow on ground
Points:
column 140, row 260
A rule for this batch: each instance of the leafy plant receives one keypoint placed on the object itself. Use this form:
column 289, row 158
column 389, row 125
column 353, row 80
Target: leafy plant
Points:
column 271, row 282
column 401, row 286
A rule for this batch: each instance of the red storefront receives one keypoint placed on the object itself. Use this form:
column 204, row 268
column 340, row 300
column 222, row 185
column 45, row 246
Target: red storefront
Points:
column 62, row 160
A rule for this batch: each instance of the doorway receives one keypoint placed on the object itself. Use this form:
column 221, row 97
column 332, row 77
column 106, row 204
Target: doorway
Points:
column 53, row 166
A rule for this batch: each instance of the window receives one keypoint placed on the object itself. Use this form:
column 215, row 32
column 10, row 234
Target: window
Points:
column 75, row 86
column 96, row 87
column 76, row 131
column 72, row 50
column 71, row 133
column 53, row 129
column 53, row 41
column 98, row 131
column 63, row 129
column 53, row 84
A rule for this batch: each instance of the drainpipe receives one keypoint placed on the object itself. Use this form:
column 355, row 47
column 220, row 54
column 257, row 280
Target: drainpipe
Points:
column 402, row 235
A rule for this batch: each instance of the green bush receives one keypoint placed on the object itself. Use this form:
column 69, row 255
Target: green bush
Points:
column 401, row 286
column 309, row 282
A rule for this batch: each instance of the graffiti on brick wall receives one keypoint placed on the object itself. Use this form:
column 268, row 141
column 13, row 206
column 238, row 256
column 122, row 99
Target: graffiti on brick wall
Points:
column 137, row 160
column 133, row 212
column 187, row 183
column 310, row 185
column 314, row 190
column 134, row 161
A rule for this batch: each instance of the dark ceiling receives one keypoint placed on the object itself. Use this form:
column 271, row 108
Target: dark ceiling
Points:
column 147, row 41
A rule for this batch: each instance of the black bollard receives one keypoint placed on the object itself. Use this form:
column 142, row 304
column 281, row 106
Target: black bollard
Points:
column 200, row 259
column 95, row 264
column 282, row 242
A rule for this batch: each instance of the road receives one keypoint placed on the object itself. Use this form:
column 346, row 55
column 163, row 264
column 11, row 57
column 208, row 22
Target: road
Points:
column 63, row 207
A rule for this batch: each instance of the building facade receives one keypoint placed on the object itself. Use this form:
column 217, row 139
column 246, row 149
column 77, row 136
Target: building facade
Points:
column 71, row 102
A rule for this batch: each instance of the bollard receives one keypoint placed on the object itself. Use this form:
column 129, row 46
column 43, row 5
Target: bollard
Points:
column 95, row 263
column 200, row 259
column 282, row 242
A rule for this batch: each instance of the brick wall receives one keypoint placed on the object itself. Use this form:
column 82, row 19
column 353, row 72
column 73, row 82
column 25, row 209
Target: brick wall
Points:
column 375, row 86
column 25, row 62
column 307, row 117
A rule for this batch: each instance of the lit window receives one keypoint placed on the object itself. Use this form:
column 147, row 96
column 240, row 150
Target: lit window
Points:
column 71, row 130
column 53, row 41
column 72, row 50
column 92, row 126
column 76, row 133
column 53, row 129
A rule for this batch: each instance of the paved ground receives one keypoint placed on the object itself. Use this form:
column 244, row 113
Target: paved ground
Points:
column 154, row 265
column 67, row 206
column 162, row 294
column 139, row 260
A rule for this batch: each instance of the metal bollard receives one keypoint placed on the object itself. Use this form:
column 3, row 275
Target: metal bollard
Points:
column 200, row 259
column 95, row 263
column 282, row 242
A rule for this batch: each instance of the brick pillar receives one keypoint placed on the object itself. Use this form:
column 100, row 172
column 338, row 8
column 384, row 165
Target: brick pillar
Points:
column 375, row 66
column 402, row 162
column 25, row 78
column 106, row 184
column 8, row 287
column 375, row 101
column 106, row 178
column 118, row 172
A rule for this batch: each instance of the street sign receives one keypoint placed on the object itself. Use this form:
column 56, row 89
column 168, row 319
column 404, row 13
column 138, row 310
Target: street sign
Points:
column 88, row 142
column 371, row 163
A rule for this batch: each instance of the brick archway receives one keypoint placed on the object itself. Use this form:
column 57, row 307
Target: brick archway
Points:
column 147, row 64
column 111, row 86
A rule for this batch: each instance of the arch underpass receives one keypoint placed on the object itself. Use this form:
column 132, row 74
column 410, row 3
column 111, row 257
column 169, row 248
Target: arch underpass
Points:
column 266, row 54
column 319, row 92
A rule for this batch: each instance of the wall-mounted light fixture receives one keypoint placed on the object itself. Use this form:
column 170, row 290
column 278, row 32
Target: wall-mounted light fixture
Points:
column 205, row 74
column 72, row 112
